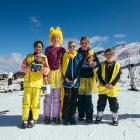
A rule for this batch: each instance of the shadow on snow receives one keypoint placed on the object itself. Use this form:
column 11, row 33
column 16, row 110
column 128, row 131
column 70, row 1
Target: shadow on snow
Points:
column 15, row 120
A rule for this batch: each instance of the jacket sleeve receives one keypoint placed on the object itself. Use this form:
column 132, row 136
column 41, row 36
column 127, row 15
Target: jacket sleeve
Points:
column 100, row 76
column 79, row 66
column 88, row 67
column 78, row 72
column 117, row 78
column 25, row 66
column 46, row 68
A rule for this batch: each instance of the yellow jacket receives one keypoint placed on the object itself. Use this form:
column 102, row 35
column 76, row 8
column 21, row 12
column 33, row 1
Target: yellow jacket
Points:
column 34, row 79
column 102, row 89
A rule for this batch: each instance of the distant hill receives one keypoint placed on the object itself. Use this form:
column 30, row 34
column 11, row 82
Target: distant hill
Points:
column 126, row 54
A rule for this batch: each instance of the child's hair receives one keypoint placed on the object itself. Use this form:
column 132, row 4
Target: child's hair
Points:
column 84, row 38
column 110, row 50
column 70, row 43
column 36, row 42
column 89, row 57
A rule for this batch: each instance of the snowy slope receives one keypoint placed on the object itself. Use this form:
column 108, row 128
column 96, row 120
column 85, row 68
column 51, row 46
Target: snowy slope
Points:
column 127, row 52
column 128, row 129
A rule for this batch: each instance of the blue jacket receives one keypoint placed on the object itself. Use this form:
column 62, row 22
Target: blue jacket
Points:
column 71, row 69
column 87, row 71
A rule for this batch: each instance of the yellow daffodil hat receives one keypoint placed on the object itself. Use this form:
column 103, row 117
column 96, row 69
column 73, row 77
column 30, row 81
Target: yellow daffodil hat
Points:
column 56, row 32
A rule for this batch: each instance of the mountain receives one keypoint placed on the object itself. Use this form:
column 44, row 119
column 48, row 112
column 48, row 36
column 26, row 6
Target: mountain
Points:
column 126, row 54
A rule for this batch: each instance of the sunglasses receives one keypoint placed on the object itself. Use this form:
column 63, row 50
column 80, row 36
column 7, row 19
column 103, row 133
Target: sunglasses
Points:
column 108, row 54
column 72, row 46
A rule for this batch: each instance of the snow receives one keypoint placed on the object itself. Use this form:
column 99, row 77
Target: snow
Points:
column 129, row 112
column 128, row 129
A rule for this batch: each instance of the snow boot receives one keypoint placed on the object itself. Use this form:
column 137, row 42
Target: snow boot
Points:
column 56, row 120
column 89, row 120
column 115, row 121
column 81, row 116
column 80, row 119
column 98, row 120
column 25, row 124
column 72, row 120
column 99, row 117
column 31, row 123
column 47, row 120
column 65, row 121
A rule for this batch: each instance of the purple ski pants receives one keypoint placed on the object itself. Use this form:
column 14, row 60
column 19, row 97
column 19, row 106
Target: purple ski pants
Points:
column 52, row 103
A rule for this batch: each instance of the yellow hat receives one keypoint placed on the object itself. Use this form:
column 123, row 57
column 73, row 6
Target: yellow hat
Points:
column 56, row 31
column 90, row 52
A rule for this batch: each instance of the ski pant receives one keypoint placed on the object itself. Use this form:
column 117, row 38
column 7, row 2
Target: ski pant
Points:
column 113, row 103
column 85, row 106
column 69, row 102
column 31, row 102
column 52, row 103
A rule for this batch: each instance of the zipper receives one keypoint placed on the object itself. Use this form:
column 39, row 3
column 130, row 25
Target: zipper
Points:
column 72, row 69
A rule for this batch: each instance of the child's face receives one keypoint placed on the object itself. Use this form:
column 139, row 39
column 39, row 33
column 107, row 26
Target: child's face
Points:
column 56, row 40
column 84, row 44
column 91, row 58
column 109, row 56
column 38, row 48
column 72, row 48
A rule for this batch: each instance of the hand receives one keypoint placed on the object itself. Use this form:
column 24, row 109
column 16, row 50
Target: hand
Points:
column 67, row 80
column 110, row 86
column 28, row 69
column 25, row 67
column 46, row 80
column 75, row 80
column 107, row 86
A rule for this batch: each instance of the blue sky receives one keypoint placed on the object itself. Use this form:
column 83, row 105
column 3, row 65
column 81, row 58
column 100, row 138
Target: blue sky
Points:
column 106, row 22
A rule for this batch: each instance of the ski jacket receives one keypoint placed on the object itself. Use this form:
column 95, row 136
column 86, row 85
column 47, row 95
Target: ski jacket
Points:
column 85, row 54
column 88, row 71
column 34, row 78
column 102, row 89
column 71, row 69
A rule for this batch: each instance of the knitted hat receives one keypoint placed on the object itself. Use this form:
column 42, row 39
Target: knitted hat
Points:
column 56, row 32
column 90, row 52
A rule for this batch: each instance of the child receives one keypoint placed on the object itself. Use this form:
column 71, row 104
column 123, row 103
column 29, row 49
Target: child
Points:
column 54, row 54
column 85, row 106
column 35, row 66
column 108, row 74
column 71, row 75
